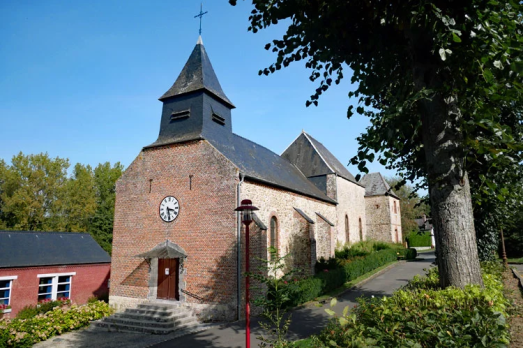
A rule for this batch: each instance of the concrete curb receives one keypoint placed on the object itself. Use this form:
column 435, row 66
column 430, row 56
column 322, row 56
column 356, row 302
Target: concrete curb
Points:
column 516, row 273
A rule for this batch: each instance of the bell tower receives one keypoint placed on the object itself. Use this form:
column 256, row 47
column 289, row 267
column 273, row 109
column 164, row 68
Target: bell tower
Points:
column 195, row 107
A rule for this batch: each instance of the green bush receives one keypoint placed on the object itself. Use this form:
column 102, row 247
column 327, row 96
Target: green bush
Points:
column 43, row 307
column 419, row 239
column 23, row 333
column 422, row 315
column 329, row 279
column 411, row 254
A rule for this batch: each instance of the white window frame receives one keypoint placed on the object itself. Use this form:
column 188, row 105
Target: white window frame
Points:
column 10, row 288
column 54, row 284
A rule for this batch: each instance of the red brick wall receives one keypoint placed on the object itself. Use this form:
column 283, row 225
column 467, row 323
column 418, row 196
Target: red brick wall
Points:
column 90, row 280
column 205, row 227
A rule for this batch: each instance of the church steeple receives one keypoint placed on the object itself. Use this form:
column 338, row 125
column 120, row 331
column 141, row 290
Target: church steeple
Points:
column 197, row 74
column 195, row 107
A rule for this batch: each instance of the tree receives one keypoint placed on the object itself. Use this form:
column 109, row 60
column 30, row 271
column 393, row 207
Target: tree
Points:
column 438, row 80
column 32, row 192
column 101, row 225
column 411, row 205
column 80, row 203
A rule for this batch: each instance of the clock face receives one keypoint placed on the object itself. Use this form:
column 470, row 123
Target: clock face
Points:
column 169, row 209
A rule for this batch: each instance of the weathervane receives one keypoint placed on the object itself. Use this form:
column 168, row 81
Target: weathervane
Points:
column 200, row 15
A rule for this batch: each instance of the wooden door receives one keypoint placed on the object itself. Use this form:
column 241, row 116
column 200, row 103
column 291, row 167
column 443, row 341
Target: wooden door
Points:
column 168, row 279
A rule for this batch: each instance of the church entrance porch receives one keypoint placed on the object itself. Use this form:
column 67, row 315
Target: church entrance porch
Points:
column 168, row 278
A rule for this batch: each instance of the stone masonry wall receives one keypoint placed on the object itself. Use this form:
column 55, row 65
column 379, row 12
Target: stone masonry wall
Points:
column 204, row 182
column 395, row 219
column 351, row 203
column 291, row 225
column 382, row 222
column 324, row 240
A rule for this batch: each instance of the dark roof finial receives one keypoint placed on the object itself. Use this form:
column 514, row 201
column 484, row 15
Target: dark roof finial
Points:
column 201, row 15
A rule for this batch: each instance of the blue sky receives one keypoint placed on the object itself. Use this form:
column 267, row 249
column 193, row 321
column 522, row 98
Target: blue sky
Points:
column 81, row 79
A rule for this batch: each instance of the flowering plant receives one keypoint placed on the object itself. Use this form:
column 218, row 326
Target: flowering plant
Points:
column 4, row 306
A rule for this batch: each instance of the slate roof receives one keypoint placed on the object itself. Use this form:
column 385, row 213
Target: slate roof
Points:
column 313, row 159
column 25, row 249
column 375, row 185
column 258, row 222
column 324, row 219
column 261, row 164
column 197, row 74
column 305, row 216
column 164, row 250
column 424, row 225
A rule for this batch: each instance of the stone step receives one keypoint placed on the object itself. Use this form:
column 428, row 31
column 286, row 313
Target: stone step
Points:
column 136, row 311
column 146, row 322
column 158, row 306
column 159, row 317
column 134, row 329
column 178, row 332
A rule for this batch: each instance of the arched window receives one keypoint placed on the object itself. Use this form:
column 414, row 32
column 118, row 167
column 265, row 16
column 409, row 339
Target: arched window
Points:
column 395, row 209
column 361, row 230
column 347, row 234
column 274, row 233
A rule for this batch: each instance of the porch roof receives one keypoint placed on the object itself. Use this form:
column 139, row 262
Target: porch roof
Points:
column 164, row 250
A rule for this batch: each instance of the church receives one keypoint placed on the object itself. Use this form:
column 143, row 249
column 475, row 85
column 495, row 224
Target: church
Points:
column 176, row 235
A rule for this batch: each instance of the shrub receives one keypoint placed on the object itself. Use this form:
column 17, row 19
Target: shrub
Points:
column 329, row 279
column 42, row 307
column 411, row 254
column 26, row 332
column 419, row 239
column 421, row 315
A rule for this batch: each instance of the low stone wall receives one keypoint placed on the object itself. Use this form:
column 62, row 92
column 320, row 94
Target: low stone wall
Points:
column 120, row 303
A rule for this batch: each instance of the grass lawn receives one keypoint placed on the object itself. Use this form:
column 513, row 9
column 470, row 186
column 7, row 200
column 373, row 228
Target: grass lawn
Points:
column 426, row 251
column 520, row 260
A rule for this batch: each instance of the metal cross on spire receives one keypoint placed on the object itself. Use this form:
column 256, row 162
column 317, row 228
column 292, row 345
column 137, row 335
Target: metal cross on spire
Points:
column 200, row 15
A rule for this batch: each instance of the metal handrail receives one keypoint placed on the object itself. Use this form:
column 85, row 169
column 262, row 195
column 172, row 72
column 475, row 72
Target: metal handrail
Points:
column 193, row 295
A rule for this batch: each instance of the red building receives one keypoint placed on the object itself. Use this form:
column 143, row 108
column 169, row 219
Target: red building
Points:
column 36, row 266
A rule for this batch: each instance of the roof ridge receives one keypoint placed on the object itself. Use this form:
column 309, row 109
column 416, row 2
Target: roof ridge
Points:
column 318, row 151
column 50, row 232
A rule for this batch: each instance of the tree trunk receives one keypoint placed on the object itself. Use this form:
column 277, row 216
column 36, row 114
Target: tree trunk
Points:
column 449, row 188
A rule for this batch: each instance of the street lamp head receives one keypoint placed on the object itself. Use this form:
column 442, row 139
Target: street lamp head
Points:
column 246, row 208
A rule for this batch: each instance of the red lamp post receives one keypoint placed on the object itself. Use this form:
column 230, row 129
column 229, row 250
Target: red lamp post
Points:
column 247, row 208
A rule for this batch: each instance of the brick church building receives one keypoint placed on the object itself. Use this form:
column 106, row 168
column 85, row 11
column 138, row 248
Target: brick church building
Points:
column 176, row 235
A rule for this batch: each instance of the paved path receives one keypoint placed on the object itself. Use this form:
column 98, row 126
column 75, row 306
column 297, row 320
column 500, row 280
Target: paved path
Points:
column 518, row 267
column 305, row 321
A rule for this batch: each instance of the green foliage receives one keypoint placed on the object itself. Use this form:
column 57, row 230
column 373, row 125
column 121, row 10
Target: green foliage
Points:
column 441, row 85
column 22, row 333
column 422, row 315
column 419, row 239
column 101, row 224
column 411, row 205
column 43, row 307
column 36, row 194
column 274, row 278
column 349, row 269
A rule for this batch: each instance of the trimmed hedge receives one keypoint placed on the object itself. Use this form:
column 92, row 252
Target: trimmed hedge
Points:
column 308, row 289
column 415, row 239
